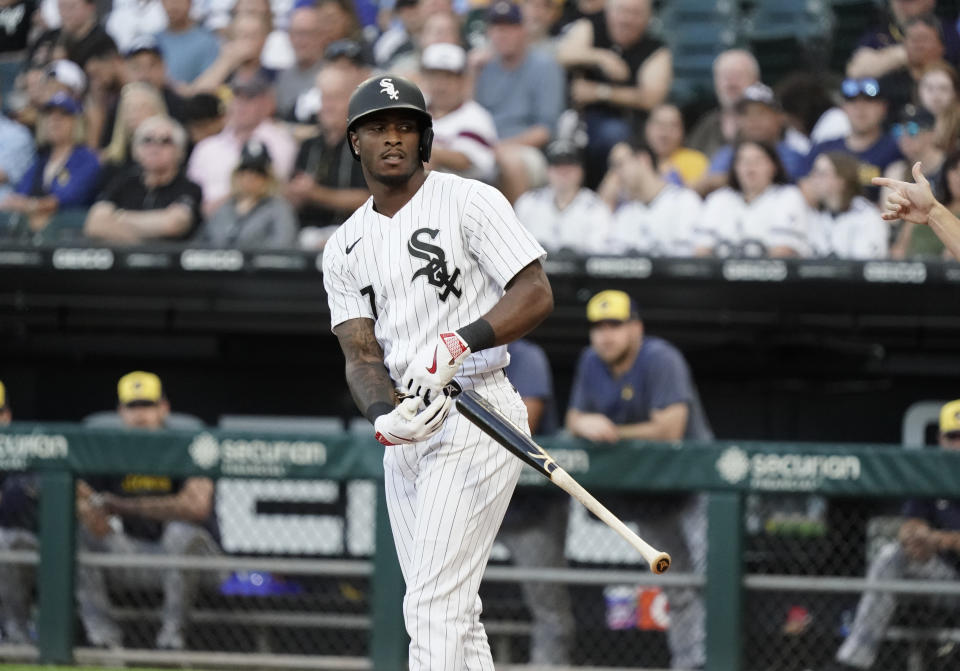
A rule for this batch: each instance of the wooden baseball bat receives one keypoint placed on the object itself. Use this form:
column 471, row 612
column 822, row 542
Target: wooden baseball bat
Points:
column 491, row 421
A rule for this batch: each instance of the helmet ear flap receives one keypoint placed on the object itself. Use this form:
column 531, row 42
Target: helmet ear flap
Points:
column 426, row 143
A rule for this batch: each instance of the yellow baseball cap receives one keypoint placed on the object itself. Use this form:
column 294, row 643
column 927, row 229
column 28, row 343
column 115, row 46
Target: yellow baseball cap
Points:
column 139, row 387
column 611, row 306
column 3, row 396
column 950, row 417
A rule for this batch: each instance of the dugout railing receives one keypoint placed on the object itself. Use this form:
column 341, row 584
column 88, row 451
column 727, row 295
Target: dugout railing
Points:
column 733, row 474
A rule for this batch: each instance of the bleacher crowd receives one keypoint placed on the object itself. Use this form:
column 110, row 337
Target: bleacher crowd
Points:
column 223, row 123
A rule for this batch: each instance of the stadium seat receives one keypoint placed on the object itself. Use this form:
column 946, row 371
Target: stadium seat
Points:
column 696, row 32
column 789, row 35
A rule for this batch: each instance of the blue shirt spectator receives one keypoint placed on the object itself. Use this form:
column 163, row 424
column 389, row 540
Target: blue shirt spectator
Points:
column 74, row 183
column 16, row 154
column 521, row 90
column 659, row 377
column 188, row 53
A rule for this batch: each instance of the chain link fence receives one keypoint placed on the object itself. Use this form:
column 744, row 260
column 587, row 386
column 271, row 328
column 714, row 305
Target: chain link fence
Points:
column 282, row 568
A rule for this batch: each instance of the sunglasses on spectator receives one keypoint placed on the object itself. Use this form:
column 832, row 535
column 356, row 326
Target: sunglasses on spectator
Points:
column 952, row 435
column 851, row 88
column 911, row 129
column 164, row 140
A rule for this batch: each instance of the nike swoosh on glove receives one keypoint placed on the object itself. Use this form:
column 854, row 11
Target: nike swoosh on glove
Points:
column 434, row 366
column 405, row 425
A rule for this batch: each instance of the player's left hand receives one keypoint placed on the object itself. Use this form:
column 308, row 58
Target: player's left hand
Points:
column 434, row 366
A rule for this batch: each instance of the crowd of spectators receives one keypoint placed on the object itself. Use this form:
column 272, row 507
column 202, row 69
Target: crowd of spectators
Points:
column 564, row 106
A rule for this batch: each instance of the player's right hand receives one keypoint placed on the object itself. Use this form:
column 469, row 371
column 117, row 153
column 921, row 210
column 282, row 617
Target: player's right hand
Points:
column 405, row 425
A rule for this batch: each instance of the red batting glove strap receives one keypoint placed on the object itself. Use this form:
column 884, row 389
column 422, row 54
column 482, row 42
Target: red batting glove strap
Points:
column 383, row 439
column 454, row 343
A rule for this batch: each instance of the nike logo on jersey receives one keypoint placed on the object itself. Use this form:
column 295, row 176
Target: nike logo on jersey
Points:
column 433, row 368
column 350, row 247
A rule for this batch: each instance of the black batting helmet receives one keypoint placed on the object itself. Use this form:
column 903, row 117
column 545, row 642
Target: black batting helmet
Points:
column 390, row 92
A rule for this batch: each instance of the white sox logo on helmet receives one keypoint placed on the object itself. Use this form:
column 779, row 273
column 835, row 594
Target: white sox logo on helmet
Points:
column 389, row 89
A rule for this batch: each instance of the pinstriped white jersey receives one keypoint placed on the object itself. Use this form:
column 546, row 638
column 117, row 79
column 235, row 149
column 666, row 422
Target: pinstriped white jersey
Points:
column 441, row 262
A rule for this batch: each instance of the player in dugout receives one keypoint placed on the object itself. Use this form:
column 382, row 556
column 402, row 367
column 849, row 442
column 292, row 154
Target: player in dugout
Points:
column 143, row 514
column 632, row 386
column 927, row 547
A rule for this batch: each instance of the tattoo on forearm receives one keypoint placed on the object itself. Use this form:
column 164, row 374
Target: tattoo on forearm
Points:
column 367, row 377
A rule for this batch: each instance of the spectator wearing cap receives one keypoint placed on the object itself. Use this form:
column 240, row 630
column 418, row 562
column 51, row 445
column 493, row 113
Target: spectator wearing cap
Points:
column 78, row 36
column 915, row 133
column 248, row 117
column 328, row 184
column 923, row 45
column 565, row 216
column 881, row 49
column 868, row 142
column 524, row 90
column 663, row 133
column 464, row 132
column 66, row 77
column 843, row 224
column 156, row 202
column 306, row 36
column 632, row 386
column 254, row 216
column 206, row 116
column 733, row 71
column 130, row 20
column 144, row 62
column 939, row 91
column 927, row 547
column 65, row 174
column 619, row 72
column 759, row 119
column 759, row 213
column 655, row 217
column 155, row 515
column 16, row 152
column 188, row 47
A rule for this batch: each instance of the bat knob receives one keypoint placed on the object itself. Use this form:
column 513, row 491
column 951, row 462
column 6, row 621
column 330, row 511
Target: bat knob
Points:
column 661, row 563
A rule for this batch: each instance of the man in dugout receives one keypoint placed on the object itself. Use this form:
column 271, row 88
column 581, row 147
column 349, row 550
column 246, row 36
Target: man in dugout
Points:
column 927, row 547
column 632, row 386
column 143, row 514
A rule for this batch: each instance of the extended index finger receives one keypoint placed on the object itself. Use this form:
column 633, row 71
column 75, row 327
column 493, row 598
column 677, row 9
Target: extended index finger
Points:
column 891, row 183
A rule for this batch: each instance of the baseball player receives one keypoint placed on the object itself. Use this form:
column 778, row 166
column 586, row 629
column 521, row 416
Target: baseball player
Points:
column 427, row 282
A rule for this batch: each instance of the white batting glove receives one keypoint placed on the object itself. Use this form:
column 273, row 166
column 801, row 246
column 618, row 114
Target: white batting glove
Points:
column 434, row 366
column 405, row 425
